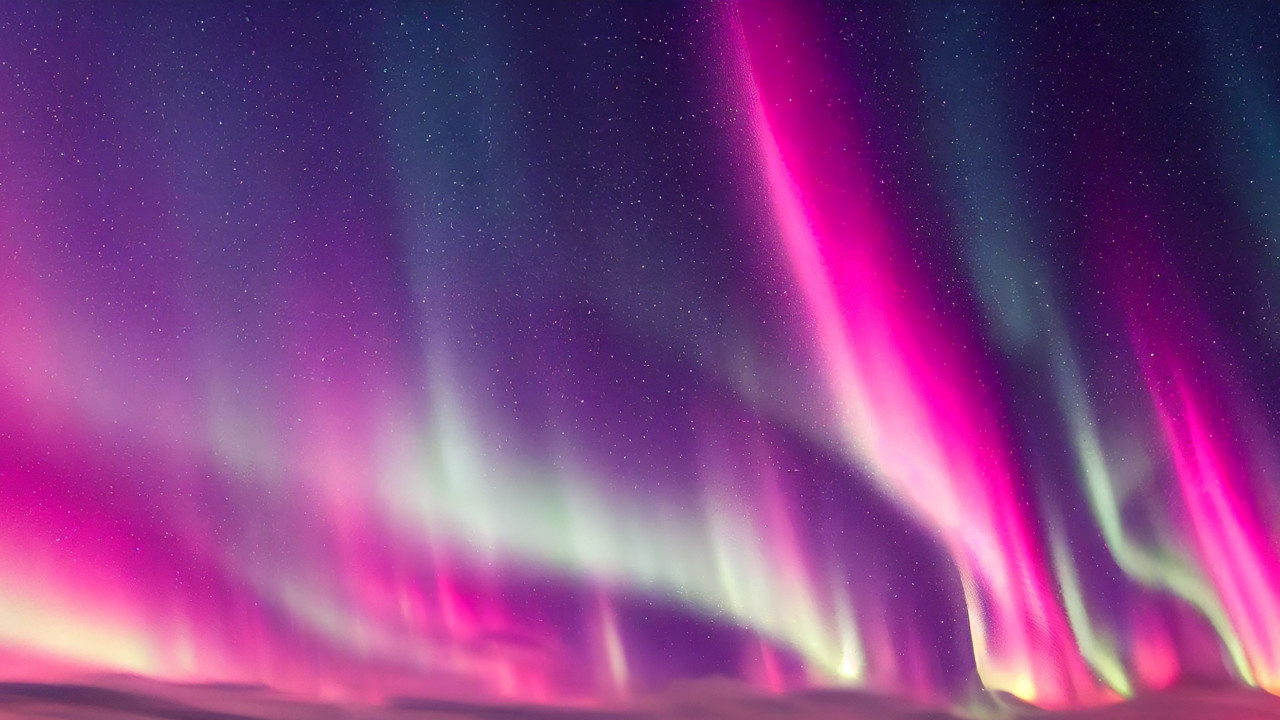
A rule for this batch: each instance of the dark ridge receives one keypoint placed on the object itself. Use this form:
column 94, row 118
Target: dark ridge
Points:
column 88, row 696
column 522, row 712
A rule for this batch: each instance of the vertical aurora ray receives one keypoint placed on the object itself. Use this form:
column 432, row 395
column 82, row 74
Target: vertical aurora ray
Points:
column 973, row 131
column 1162, row 567
column 920, row 427
column 1213, row 468
column 1236, row 552
column 970, row 125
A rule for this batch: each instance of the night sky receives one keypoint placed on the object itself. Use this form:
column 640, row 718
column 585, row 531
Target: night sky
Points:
column 437, row 357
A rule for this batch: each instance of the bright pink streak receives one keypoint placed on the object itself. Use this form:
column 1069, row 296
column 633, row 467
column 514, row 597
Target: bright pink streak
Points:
column 1201, row 413
column 1155, row 655
column 1235, row 547
column 903, row 386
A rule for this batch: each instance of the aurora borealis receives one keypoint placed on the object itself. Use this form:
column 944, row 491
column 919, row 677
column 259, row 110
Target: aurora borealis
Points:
column 588, row 358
